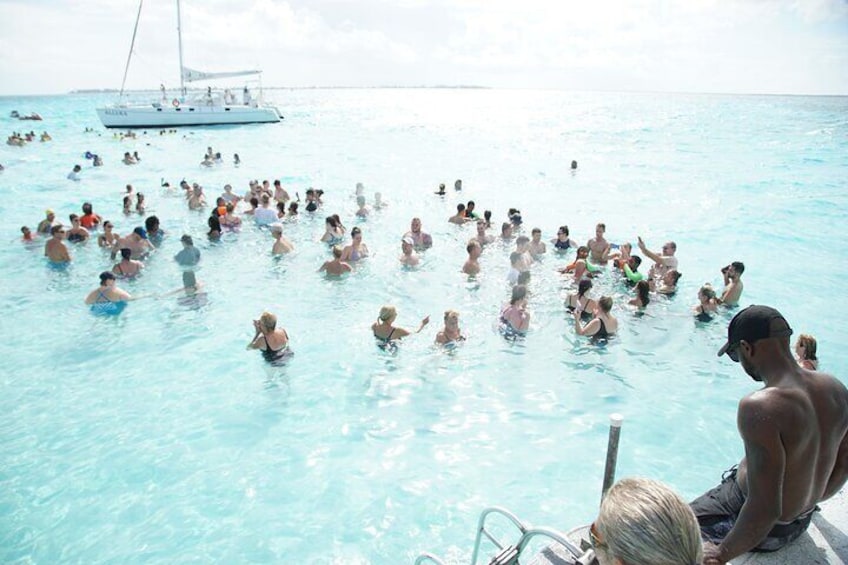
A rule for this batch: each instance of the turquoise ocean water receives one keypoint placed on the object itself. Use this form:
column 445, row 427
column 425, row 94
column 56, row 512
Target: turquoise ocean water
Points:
column 155, row 437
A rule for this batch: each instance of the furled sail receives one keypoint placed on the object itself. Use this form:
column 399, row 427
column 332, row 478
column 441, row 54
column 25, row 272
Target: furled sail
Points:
column 191, row 75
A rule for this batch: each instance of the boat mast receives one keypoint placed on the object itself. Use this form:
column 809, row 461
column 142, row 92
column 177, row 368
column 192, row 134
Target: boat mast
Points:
column 180, row 39
column 132, row 46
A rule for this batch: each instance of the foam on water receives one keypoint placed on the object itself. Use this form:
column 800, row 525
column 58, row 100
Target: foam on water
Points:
column 155, row 436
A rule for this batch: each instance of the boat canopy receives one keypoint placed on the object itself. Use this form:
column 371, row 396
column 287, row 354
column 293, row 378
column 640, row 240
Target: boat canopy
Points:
column 191, row 75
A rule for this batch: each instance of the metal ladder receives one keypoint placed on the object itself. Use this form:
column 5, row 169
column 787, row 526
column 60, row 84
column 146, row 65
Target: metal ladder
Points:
column 510, row 554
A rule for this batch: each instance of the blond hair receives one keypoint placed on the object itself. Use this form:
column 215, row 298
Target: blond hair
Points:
column 268, row 321
column 644, row 522
column 387, row 313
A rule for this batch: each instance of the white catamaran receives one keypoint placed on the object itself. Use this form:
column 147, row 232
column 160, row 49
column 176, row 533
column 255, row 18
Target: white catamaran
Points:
column 204, row 109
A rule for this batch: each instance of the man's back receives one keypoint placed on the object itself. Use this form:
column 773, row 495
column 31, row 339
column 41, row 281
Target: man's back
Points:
column 808, row 415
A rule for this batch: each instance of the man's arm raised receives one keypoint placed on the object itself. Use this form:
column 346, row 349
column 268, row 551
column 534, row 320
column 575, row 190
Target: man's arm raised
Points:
column 759, row 425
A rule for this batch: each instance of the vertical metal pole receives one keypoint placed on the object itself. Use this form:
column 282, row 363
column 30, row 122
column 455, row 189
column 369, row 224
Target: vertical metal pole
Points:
column 180, row 40
column 612, row 452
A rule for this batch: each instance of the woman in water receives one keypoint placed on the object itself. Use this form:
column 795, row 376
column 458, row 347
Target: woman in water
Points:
column 139, row 205
column 128, row 267
column 108, row 238
column 643, row 296
column 451, row 332
column 333, row 232
column 214, row 223
column 581, row 299
column 107, row 298
column 514, row 318
column 603, row 325
column 707, row 303
column 386, row 332
column 562, row 242
column 581, row 267
column 805, row 349
column 356, row 250
column 272, row 342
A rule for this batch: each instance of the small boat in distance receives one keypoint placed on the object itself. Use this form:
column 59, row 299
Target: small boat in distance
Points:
column 202, row 109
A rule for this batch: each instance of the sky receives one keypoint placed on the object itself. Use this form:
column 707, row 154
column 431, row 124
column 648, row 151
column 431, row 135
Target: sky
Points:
column 734, row 46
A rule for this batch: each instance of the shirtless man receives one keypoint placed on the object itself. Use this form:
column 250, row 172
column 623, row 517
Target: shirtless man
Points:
column 137, row 241
column 732, row 283
column 459, row 218
column 599, row 247
column 281, row 244
column 662, row 262
column 336, row 266
column 795, row 431
column 482, row 238
column 472, row 266
column 408, row 255
column 127, row 267
column 537, row 246
column 196, row 200
column 522, row 246
column 55, row 249
column 420, row 239
column 280, row 194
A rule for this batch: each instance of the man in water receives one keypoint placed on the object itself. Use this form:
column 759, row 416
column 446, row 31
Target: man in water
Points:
column 74, row 174
column 408, row 255
column 795, row 432
column 137, row 241
column 281, row 244
column 482, row 237
column 420, row 239
column 189, row 255
column 55, row 249
column 459, row 218
column 599, row 247
column 663, row 263
column 472, row 266
column 336, row 266
column 732, row 283
column 154, row 233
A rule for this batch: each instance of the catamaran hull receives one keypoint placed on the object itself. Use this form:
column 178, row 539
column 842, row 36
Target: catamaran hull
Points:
column 185, row 115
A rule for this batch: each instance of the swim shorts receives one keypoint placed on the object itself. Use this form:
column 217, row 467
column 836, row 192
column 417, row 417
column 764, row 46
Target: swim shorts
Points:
column 718, row 509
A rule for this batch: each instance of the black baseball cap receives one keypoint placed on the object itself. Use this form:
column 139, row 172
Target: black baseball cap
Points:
column 752, row 324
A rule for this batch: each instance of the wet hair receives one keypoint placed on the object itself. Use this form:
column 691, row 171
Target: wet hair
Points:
column 519, row 292
column 707, row 291
column 470, row 204
column 355, row 232
column 523, row 277
column 583, row 287
column 151, row 223
column 808, row 342
column 105, row 276
column 387, row 313
column 605, row 302
column 738, row 266
column 460, row 207
column 487, row 215
column 643, row 522
column 643, row 290
column 86, row 208
column 636, row 261
column 563, row 230
column 292, row 207
column 214, row 223
column 268, row 321
column 254, row 202
column 126, row 253
column 73, row 217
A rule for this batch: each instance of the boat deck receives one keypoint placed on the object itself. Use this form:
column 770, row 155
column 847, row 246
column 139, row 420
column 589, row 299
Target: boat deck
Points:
column 825, row 542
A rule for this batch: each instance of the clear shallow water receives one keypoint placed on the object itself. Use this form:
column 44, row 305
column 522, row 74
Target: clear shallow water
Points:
column 155, row 436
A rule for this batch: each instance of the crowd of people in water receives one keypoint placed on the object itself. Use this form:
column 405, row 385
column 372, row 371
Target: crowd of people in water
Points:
column 269, row 206
column 18, row 139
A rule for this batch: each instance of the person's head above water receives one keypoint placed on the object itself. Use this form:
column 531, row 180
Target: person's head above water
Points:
column 756, row 337
column 387, row 314
column 126, row 253
column 105, row 277
column 643, row 522
column 519, row 293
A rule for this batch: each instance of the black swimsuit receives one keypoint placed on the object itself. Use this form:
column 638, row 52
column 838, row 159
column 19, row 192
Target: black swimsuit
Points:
column 602, row 334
